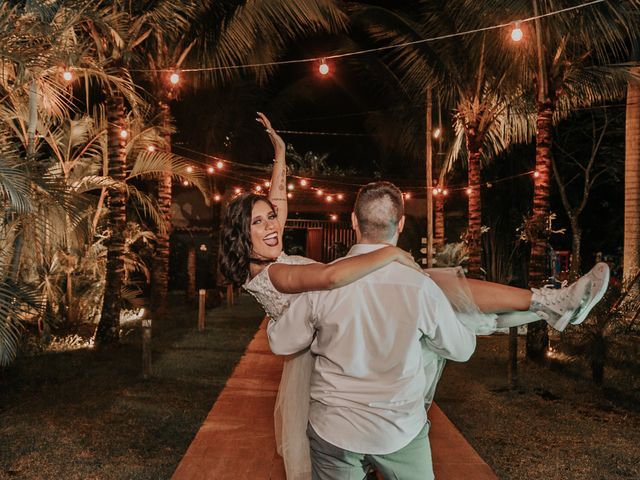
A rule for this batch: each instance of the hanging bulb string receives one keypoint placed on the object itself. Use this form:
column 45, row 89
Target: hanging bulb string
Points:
column 376, row 49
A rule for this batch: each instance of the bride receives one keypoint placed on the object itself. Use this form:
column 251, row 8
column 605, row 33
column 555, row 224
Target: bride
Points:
column 252, row 255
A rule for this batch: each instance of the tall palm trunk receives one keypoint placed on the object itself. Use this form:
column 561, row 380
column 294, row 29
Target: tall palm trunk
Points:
column 160, row 264
column 537, row 336
column 439, row 220
column 474, row 149
column 631, row 262
column 108, row 331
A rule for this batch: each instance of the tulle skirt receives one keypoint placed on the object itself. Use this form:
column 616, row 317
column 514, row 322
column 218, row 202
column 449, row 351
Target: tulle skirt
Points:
column 292, row 404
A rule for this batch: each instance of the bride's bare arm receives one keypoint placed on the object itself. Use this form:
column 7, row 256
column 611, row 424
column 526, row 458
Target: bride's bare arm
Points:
column 321, row 276
column 278, row 189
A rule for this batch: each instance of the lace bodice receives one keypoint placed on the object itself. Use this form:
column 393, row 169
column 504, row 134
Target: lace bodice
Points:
column 260, row 287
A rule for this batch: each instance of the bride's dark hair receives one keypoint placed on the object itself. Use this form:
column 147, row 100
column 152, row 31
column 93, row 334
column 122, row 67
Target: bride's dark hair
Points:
column 235, row 237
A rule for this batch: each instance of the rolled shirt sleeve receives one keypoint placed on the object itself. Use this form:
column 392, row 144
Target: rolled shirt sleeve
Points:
column 294, row 330
column 443, row 332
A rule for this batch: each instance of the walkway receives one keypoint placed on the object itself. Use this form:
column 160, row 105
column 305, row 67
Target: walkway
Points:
column 236, row 441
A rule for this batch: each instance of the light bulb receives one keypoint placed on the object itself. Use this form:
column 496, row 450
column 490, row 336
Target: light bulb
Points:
column 258, row 188
column 303, row 183
column 185, row 183
column 189, row 169
column 220, row 165
column 437, row 132
column 67, row 75
column 468, row 190
column 536, row 174
column 340, row 196
column 329, row 199
column 216, row 198
column 124, row 133
column 323, row 68
column 445, row 192
column 151, row 148
column 319, row 192
column 516, row 33
column 238, row 190
column 174, row 78
column 334, row 217
column 267, row 184
column 290, row 186
column 289, row 195
column 211, row 170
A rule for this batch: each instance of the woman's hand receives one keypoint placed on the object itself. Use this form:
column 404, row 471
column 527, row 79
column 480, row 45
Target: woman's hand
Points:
column 405, row 258
column 276, row 140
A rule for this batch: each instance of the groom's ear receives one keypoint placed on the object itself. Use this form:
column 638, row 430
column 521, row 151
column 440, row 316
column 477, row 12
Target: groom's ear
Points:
column 354, row 221
column 401, row 225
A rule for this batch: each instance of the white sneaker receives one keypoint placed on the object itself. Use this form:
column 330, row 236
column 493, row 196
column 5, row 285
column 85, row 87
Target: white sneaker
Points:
column 571, row 304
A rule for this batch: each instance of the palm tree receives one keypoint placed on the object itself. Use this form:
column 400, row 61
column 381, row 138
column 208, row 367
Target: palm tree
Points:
column 631, row 264
column 570, row 57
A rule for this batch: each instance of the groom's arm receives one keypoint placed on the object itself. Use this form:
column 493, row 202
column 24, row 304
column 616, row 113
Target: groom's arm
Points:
column 294, row 330
column 443, row 332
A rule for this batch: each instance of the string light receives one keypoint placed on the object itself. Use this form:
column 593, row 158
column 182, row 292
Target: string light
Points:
column 340, row 196
column 536, row 174
column 329, row 198
column 151, row 148
column 437, row 132
column 445, row 192
column 267, row 184
column 258, row 188
column 238, row 191
column 407, row 195
column 378, row 49
column 319, row 192
column 174, row 78
column 185, row 183
column 211, row 170
column 290, row 186
column 67, row 75
column 303, row 183
column 469, row 190
column 289, row 195
column 516, row 33
column 123, row 133
column 220, row 165
column 216, row 198
column 323, row 68
column 333, row 217
column 189, row 169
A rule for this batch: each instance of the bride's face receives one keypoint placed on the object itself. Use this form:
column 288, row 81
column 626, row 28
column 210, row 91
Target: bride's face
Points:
column 265, row 232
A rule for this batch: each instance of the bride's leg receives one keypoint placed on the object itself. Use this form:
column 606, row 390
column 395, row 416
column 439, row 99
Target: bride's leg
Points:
column 489, row 297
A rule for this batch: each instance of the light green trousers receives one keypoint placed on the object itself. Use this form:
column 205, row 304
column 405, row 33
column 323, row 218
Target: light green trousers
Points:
column 413, row 462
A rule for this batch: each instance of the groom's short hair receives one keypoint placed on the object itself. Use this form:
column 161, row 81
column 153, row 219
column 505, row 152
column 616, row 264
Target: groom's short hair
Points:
column 379, row 208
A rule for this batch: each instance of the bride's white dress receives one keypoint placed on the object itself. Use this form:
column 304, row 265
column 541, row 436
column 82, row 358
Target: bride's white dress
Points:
column 292, row 404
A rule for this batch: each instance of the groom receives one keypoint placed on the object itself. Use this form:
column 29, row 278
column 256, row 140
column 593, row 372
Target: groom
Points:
column 368, row 383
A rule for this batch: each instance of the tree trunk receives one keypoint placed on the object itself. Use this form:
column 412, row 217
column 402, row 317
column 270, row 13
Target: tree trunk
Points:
column 475, row 207
column 108, row 331
column 576, row 242
column 160, row 263
column 631, row 262
column 439, row 220
column 537, row 336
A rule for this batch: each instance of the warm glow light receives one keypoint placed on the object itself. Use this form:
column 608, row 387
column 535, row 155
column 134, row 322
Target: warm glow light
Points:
column 323, row 68
column 468, row 190
column 333, row 217
column 67, row 75
column 536, row 174
column 290, row 186
column 516, row 33
column 329, row 198
column 189, row 169
column 267, row 184
column 436, row 191
column 340, row 196
column 289, row 195
column 151, row 148
column 185, row 183
column 407, row 195
column 174, row 78
column 319, row 192
column 303, row 183
column 437, row 132
column 216, row 197
column 211, row 170
column 219, row 164
column 238, row 191
column 258, row 188
column 445, row 192
column 124, row 133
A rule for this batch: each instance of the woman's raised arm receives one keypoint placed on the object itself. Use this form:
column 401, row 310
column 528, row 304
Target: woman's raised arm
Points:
column 278, row 189
column 322, row 276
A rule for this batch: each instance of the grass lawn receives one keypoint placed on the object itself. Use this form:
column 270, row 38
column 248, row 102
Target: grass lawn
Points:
column 90, row 415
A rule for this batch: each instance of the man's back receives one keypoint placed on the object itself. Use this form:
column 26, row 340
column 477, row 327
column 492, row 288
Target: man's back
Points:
column 368, row 383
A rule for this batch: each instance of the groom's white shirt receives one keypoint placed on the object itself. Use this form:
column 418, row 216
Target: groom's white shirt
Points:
column 368, row 382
